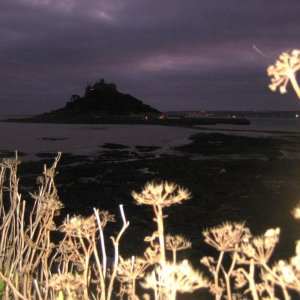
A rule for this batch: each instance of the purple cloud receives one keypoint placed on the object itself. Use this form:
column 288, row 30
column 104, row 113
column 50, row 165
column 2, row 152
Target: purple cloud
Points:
column 171, row 54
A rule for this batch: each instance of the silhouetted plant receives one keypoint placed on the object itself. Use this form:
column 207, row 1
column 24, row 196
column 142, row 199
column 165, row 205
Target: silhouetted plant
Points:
column 284, row 71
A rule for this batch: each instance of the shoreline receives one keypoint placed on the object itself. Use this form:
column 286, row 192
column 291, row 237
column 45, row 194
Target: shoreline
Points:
column 135, row 121
column 261, row 187
column 87, row 139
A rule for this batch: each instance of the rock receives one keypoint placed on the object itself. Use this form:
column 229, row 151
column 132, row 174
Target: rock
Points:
column 222, row 171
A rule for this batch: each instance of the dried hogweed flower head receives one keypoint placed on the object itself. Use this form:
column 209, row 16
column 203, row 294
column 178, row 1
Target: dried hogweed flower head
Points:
column 128, row 271
column 177, row 243
column 131, row 269
column 106, row 217
column 175, row 278
column 11, row 163
column 79, row 226
column 71, row 285
column 271, row 237
column 48, row 203
column 261, row 248
column 289, row 272
column 284, row 70
column 162, row 194
column 226, row 236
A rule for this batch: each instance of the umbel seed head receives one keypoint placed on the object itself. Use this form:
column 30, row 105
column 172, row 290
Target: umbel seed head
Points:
column 162, row 194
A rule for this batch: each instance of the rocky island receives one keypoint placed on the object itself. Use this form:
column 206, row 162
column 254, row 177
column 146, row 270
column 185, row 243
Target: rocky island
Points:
column 102, row 103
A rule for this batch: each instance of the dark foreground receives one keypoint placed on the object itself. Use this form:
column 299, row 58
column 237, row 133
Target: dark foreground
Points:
column 231, row 178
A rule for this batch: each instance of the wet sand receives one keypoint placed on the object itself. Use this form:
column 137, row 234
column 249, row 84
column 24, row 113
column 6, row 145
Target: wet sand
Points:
column 231, row 177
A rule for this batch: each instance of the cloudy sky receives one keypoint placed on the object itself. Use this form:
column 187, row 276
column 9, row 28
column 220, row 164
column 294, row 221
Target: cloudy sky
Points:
column 171, row 54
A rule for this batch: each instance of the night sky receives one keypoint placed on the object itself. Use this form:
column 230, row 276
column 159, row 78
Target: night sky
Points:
column 171, row 54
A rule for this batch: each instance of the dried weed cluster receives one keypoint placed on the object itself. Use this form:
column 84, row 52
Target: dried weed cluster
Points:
column 32, row 266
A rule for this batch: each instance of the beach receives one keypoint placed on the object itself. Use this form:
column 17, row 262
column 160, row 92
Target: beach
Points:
column 235, row 173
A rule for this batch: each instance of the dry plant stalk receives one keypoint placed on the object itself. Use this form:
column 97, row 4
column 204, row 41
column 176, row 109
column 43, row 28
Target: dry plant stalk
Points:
column 80, row 252
column 225, row 239
column 167, row 278
column 31, row 265
column 160, row 196
column 246, row 257
column 77, row 269
column 129, row 272
column 25, row 250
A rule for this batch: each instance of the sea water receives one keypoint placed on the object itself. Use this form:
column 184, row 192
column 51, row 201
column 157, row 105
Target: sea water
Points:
column 87, row 139
column 268, row 124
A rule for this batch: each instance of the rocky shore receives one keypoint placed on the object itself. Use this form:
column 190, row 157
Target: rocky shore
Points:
column 232, row 178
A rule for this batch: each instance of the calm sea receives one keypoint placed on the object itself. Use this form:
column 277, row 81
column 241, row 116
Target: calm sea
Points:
column 86, row 139
column 268, row 124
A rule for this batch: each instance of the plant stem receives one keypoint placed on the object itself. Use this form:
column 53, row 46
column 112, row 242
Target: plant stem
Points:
column 252, row 282
column 294, row 83
column 160, row 227
column 216, row 275
column 116, row 248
